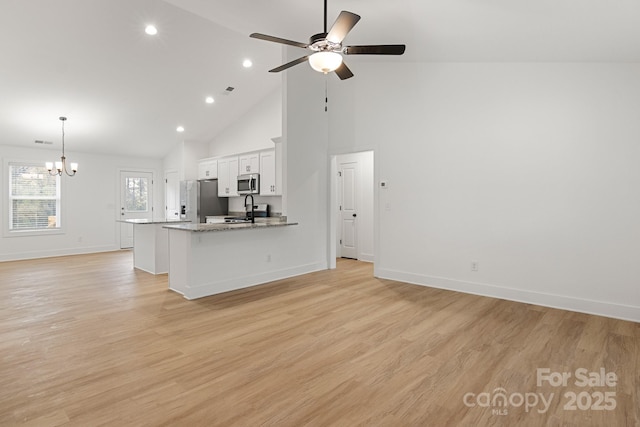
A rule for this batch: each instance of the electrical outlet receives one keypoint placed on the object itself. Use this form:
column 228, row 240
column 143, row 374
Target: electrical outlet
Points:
column 268, row 257
column 474, row 265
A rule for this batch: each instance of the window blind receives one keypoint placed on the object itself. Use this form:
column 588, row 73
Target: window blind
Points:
column 35, row 197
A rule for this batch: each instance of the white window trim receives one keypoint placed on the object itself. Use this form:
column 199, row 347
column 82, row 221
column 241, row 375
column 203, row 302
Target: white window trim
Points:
column 5, row 181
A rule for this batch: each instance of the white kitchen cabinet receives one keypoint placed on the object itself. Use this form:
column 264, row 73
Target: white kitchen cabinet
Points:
column 228, row 176
column 278, row 150
column 233, row 176
column 268, row 173
column 208, row 169
column 249, row 163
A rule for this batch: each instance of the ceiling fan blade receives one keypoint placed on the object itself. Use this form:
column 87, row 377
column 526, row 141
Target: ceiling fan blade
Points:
column 380, row 49
column 289, row 64
column 344, row 72
column 345, row 22
column 278, row 40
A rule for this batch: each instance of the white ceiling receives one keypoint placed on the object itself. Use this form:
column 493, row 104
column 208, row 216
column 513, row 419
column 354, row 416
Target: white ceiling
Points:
column 125, row 92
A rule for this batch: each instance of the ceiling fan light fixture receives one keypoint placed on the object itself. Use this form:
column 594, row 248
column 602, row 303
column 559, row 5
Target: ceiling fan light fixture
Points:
column 325, row 62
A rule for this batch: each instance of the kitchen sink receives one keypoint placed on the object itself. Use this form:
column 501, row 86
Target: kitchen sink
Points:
column 236, row 220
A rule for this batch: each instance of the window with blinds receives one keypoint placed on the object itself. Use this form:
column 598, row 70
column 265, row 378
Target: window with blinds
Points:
column 34, row 198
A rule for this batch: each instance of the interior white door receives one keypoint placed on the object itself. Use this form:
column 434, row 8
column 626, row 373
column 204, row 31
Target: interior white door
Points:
column 172, row 195
column 136, row 191
column 348, row 179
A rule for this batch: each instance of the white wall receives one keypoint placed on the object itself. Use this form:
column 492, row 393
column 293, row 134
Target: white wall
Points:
column 193, row 151
column 528, row 169
column 254, row 130
column 305, row 144
column 236, row 204
column 89, row 206
column 184, row 157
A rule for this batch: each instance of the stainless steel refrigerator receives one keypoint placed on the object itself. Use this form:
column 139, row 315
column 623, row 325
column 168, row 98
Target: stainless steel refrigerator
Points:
column 199, row 199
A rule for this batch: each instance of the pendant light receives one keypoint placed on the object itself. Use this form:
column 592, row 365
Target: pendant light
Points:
column 62, row 164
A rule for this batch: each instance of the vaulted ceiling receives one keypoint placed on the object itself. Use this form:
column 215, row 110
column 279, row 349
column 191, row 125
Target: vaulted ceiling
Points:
column 125, row 92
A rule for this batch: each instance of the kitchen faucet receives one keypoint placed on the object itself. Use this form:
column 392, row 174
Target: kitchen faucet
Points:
column 253, row 219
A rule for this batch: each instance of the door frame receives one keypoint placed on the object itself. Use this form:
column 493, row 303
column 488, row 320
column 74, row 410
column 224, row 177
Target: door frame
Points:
column 340, row 212
column 166, row 173
column 332, row 208
column 118, row 196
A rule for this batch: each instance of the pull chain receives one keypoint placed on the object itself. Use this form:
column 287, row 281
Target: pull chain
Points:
column 326, row 94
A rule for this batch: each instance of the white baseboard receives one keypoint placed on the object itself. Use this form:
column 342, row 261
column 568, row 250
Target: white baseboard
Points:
column 219, row 287
column 19, row 256
column 366, row 257
column 600, row 308
column 157, row 273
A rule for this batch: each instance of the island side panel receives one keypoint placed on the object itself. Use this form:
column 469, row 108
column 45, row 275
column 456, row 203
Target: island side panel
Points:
column 162, row 249
column 179, row 260
column 224, row 261
column 144, row 247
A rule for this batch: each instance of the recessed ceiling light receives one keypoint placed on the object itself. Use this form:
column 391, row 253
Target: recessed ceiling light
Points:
column 151, row 30
column 209, row 100
column 179, row 129
column 247, row 63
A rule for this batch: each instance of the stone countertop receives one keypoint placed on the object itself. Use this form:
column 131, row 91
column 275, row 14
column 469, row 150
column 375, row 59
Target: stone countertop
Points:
column 228, row 226
column 152, row 221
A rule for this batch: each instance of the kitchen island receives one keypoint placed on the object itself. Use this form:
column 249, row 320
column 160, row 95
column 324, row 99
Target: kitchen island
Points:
column 151, row 244
column 208, row 259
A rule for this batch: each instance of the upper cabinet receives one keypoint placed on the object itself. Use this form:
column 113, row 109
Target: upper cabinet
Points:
column 228, row 176
column 268, row 163
column 249, row 163
column 268, row 185
column 208, row 169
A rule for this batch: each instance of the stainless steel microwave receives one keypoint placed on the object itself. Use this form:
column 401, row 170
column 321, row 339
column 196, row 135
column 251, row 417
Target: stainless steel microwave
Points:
column 249, row 183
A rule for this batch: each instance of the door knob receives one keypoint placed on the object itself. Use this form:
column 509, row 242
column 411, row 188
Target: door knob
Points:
column 354, row 215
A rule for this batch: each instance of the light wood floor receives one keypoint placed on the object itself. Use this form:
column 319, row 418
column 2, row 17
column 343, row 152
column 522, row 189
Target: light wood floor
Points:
column 88, row 341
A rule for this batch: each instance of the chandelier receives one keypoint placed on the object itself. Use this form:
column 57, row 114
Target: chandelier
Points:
column 62, row 164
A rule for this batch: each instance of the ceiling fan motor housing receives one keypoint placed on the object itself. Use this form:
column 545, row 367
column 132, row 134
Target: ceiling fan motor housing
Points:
column 318, row 43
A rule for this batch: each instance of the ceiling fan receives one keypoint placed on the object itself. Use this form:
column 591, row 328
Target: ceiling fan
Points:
column 327, row 47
